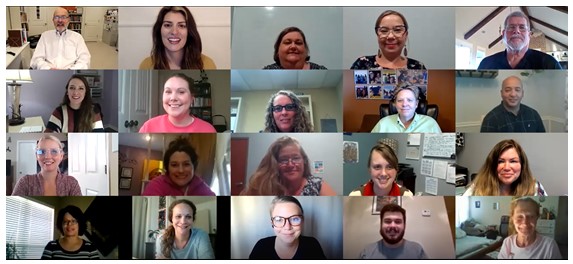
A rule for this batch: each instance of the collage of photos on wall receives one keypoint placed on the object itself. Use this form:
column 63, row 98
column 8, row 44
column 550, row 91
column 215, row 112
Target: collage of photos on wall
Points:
column 179, row 132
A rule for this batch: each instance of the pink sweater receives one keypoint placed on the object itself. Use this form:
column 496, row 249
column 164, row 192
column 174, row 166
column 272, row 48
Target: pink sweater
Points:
column 161, row 124
column 33, row 185
column 162, row 186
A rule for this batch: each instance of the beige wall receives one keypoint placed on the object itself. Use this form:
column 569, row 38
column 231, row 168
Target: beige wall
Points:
column 326, row 103
column 486, row 215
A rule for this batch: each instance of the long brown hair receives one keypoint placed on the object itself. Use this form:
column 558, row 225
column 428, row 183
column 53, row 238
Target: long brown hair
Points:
column 193, row 47
column 169, row 236
column 86, row 111
column 487, row 182
column 267, row 180
column 301, row 121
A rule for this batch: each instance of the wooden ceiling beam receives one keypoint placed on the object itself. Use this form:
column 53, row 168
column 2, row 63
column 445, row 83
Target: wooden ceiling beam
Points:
column 557, row 42
column 498, row 39
column 545, row 24
column 484, row 21
column 563, row 9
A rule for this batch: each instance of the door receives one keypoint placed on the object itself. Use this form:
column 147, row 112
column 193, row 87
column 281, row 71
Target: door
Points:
column 39, row 19
column 87, row 157
column 93, row 23
column 239, row 158
column 26, row 158
column 135, row 98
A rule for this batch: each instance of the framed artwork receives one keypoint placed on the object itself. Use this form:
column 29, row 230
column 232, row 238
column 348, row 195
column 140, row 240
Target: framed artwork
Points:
column 125, row 183
column 126, row 172
column 379, row 201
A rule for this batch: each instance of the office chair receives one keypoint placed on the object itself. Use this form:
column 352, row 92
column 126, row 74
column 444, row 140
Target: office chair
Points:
column 423, row 108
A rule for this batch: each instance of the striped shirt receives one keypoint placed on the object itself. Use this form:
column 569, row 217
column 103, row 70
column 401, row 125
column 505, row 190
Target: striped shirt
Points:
column 33, row 185
column 54, row 250
column 64, row 118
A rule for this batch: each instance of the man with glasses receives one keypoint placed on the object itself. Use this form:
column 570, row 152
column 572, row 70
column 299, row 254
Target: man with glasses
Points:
column 393, row 245
column 61, row 48
column 517, row 55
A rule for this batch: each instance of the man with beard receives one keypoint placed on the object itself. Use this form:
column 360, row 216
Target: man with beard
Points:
column 393, row 245
column 61, row 48
column 517, row 55
column 511, row 115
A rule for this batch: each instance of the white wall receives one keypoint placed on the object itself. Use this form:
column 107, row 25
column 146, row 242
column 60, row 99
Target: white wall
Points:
column 326, row 147
column 250, row 221
column 361, row 227
column 325, row 104
column 544, row 91
column 545, row 152
column 255, row 30
column 135, row 38
column 430, row 34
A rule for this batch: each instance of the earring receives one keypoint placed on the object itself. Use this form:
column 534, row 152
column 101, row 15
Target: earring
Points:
column 379, row 53
column 406, row 51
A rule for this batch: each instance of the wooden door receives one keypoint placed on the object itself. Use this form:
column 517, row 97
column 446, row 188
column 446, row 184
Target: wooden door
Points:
column 239, row 159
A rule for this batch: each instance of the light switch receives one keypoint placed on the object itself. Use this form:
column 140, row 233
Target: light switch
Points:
column 426, row 213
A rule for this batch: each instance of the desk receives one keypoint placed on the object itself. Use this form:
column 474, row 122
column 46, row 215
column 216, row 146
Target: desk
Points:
column 30, row 121
column 22, row 58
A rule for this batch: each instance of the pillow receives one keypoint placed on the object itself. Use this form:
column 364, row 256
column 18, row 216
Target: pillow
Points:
column 460, row 233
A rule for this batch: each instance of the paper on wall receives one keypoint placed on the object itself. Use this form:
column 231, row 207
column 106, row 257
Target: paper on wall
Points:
column 413, row 153
column 440, row 169
column 414, row 139
column 427, row 167
column 432, row 185
column 451, row 175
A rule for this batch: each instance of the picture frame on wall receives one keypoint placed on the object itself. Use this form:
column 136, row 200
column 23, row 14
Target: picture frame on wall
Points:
column 125, row 183
column 380, row 201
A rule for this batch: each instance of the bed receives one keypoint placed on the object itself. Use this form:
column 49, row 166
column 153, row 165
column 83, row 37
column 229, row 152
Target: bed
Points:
column 475, row 247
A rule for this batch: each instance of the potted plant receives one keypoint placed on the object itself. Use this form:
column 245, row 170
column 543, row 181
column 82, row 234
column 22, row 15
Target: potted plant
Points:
column 11, row 251
column 150, row 245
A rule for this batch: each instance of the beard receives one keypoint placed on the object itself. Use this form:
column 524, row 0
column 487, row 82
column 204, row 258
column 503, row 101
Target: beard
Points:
column 514, row 46
column 390, row 240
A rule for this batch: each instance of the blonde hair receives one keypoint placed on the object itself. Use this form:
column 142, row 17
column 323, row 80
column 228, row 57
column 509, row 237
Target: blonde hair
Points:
column 486, row 182
column 514, row 204
column 267, row 180
column 50, row 137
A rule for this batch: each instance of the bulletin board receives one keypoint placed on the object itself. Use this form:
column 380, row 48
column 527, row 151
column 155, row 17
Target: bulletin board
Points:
column 440, row 145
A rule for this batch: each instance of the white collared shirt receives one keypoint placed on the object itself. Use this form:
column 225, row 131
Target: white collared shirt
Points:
column 66, row 50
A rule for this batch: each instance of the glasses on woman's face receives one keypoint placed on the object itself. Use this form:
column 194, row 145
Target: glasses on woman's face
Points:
column 70, row 222
column 43, row 152
column 294, row 220
column 383, row 32
column 288, row 107
column 285, row 161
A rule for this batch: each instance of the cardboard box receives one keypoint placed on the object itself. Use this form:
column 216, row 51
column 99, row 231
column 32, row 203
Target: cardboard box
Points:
column 16, row 37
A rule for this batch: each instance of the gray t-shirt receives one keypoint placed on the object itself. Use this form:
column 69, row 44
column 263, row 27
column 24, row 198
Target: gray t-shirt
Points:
column 408, row 250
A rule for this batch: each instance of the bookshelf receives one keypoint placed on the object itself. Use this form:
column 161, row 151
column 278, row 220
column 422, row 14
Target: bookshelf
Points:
column 202, row 104
column 75, row 21
column 95, row 81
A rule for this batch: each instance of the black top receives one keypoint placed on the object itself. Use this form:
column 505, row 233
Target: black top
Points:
column 532, row 59
column 369, row 62
column 308, row 248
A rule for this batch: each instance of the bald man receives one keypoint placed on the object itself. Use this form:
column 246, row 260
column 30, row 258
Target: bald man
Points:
column 511, row 115
column 61, row 48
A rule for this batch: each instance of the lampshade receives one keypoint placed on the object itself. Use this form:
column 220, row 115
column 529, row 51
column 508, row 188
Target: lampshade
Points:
column 18, row 76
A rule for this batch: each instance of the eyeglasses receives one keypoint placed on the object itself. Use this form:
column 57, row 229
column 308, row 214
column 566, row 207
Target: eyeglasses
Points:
column 60, row 17
column 43, row 152
column 279, row 108
column 384, row 31
column 294, row 160
column 279, row 221
column 71, row 222
column 522, row 28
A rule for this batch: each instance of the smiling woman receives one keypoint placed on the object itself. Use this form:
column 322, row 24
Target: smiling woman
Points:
column 286, row 113
column 292, row 52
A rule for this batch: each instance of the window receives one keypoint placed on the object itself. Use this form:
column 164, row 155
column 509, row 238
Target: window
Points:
column 462, row 209
column 480, row 54
column 463, row 57
column 29, row 227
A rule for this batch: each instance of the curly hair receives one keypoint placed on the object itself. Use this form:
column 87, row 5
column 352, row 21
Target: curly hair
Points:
column 280, row 39
column 301, row 121
column 86, row 111
column 486, row 182
column 77, row 214
column 514, row 204
column 168, row 237
column 193, row 47
column 267, row 180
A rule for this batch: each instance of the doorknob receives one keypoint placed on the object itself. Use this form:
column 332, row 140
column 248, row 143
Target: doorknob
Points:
column 126, row 124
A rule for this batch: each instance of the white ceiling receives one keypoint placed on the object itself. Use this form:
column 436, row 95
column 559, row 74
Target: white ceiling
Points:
column 257, row 80
column 468, row 17
column 137, row 140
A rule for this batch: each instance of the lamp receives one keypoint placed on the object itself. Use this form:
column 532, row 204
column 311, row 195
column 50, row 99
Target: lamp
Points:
column 14, row 80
